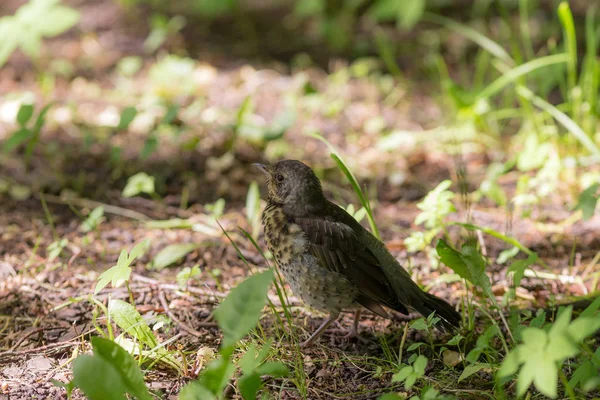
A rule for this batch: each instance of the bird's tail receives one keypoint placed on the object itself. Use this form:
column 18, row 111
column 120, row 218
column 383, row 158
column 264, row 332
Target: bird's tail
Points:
column 449, row 318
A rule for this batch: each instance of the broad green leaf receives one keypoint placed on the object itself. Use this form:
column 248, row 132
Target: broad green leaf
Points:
column 57, row 20
column 592, row 309
column 139, row 183
column 420, row 364
column 472, row 369
column 129, row 320
column 127, row 116
column 401, row 375
column 583, row 327
column 19, row 137
column 468, row 263
column 588, row 200
column 116, row 276
column 527, row 373
column 518, row 268
column 124, row 364
column 510, row 364
column 25, row 113
column 249, row 385
column 274, row 369
column 545, row 379
column 218, row 372
column 410, row 13
column 138, row 250
column 98, row 378
column 150, row 145
column 195, row 391
column 385, row 10
column 93, row 219
column 171, row 254
column 242, row 308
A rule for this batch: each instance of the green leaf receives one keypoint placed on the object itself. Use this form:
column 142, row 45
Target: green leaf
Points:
column 86, row 373
column 545, row 379
column 242, row 308
column 510, row 364
column 583, row 327
column 139, row 183
column 127, row 116
column 588, row 200
column 274, row 369
column 410, row 13
column 507, row 254
column 518, row 268
column 150, row 145
column 171, row 114
column 116, row 276
column 385, row 10
column 307, row 8
column 592, row 309
column 25, row 113
column 401, row 375
column 124, row 364
column 129, row 320
column 195, row 391
column 420, row 364
column 171, row 254
column 218, row 372
column 57, row 20
column 472, row 369
column 249, row 385
column 469, row 264
column 93, row 219
column 390, row 396
column 19, row 137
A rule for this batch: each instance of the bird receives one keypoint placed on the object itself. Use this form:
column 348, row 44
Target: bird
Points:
column 330, row 260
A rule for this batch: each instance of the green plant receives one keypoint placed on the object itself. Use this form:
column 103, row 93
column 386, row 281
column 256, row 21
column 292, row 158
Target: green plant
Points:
column 171, row 254
column 542, row 353
column 32, row 22
column 119, row 372
column 409, row 374
column 237, row 315
column 139, row 183
column 119, row 273
column 94, row 218
column 29, row 135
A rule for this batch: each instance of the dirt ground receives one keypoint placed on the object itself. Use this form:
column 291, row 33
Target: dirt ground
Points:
column 46, row 317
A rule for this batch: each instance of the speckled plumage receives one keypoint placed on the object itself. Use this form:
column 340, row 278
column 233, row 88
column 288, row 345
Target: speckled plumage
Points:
column 318, row 287
column 330, row 261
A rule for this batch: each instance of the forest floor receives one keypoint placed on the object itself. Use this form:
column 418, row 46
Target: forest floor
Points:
column 46, row 315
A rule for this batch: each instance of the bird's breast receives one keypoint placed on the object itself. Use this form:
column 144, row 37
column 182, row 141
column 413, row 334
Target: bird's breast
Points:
column 285, row 240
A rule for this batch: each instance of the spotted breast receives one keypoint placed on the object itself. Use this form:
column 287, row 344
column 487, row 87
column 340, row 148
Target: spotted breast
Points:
column 317, row 286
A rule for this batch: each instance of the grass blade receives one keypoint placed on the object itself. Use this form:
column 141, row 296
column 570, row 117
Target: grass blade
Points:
column 562, row 118
column 517, row 72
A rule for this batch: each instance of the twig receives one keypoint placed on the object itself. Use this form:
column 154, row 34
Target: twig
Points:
column 24, row 337
column 81, row 202
column 182, row 325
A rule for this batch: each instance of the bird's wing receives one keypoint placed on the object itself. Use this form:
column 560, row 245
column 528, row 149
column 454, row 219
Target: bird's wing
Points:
column 337, row 248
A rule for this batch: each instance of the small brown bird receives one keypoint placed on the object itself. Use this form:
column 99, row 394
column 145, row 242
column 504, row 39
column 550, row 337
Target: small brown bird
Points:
column 329, row 260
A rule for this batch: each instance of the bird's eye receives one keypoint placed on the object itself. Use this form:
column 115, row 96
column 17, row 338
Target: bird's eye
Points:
column 279, row 178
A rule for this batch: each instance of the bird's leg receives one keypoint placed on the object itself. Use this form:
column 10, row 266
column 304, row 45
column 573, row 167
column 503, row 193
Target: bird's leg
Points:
column 319, row 331
column 354, row 330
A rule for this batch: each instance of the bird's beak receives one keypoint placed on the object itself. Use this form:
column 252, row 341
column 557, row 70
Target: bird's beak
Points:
column 264, row 168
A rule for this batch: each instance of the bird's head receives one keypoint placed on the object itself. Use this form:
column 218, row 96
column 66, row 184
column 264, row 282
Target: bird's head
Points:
column 293, row 185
